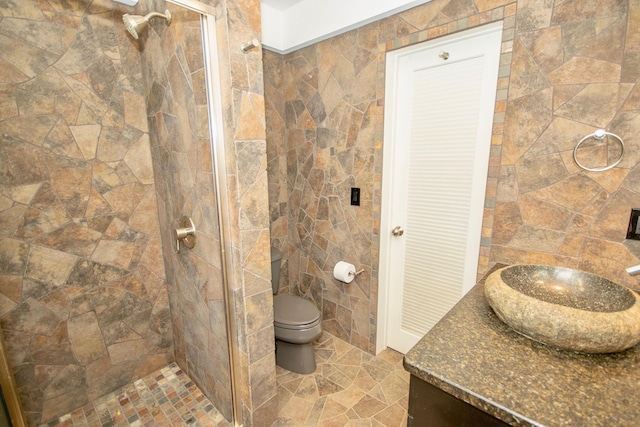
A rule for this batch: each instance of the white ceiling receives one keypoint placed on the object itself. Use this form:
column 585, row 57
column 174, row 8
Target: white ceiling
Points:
column 288, row 25
column 280, row 4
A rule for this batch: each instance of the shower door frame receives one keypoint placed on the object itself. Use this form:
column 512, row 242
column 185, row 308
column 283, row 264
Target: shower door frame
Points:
column 218, row 159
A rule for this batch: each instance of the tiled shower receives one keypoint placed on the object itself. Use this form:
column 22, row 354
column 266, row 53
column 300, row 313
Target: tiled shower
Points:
column 105, row 145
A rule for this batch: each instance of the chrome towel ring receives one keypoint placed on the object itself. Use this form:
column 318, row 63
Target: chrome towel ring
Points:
column 600, row 134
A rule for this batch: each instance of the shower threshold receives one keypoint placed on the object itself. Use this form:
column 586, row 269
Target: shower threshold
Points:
column 164, row 398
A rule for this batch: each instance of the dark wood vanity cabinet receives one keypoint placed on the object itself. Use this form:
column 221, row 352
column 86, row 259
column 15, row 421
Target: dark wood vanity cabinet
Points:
column 431, row 407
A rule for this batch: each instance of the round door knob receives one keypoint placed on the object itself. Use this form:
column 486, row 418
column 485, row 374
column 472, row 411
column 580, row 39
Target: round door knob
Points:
column 397, row 231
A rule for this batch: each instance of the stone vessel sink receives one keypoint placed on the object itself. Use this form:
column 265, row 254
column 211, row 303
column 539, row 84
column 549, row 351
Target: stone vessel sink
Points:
column 565, row 308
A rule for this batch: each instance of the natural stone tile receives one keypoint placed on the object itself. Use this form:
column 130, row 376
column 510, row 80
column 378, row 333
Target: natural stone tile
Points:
column 8, row 104
column 580, row 70
column 49, row 266
column 72, row 238
column 104, row 177
column 11, row 287
column 115, row 142
column 32, row 129
column 543, row 214
column 54, row 350
column 535, row 173
column 97, row 205
column 259, row 312
column 86, row 137
column 28, row 59
column 89, row 274
column 32, row 317
column 561, row 135
column 395, row 388
column 609, row 224
column 85, row 338
column 11, row 74
column 135, row 111
column 43, row 35
column 13, row 256
column 605, row 45
column 126, row 351
column 113, row 252
column 392, row 416
column 263, row 380
column 483, row 5
column 581, row 108
column 60, row 140
column 507, row 190
column 296, row 411
column 138, row 158
column 608, row 259
column 101, row 375
column 526, row 76
column 43, row 219
column 575, row 192
column 27, row 165
column 332, row 408
column 120, row 199
column 527, row 119
column 145, row 215
column 68, row 379
column 537, row 239
column 611, row 181
column 58, row 302
column 260, row 344
column 22, row 194
column 71, row 185
column 368, row 406
column 152, row 257
column 34, row 289
column 65, row 403
column 533, row 15
column 572, row 9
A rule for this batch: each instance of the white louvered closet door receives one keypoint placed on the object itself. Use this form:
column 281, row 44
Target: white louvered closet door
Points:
column 441, row 150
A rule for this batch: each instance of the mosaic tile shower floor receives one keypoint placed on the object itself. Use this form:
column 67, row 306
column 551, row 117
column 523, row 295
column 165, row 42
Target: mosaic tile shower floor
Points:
column 165, row 398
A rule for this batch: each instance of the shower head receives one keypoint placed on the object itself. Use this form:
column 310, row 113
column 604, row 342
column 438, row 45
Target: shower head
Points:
column 135, row 24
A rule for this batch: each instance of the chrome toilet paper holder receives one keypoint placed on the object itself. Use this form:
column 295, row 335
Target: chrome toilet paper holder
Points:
column 355, row 273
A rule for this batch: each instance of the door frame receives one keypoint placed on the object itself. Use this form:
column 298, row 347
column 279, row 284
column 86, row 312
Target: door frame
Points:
column 388, row 158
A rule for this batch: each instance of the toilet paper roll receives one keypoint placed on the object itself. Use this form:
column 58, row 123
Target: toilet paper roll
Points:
column 344, row 272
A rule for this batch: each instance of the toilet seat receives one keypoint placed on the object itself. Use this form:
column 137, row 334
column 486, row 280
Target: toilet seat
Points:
column 294, row 313
column 297, row 327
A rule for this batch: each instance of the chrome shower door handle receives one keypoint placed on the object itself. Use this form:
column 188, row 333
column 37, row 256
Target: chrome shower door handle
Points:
column 397, row 231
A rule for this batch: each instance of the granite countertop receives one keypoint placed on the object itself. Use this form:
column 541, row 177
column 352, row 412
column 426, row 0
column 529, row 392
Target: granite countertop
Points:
column 474, row 356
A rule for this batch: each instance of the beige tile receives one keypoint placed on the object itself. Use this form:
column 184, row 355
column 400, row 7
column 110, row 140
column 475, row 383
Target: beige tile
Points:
column 296, row 411
column 342, row 391
column 332, row 409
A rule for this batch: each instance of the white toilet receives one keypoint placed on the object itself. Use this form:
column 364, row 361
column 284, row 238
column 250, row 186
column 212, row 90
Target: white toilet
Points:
column 297, row 322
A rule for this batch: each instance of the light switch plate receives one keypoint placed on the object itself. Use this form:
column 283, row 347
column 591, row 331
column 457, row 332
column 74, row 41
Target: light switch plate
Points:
column 355, row 196
column 633, row 232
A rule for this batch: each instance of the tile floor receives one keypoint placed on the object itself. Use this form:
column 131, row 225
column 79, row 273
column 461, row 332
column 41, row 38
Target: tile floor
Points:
column 165, row 398
column 348, row 388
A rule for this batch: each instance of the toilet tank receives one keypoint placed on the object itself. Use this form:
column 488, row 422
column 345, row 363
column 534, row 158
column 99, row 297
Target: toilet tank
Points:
column 276, row 256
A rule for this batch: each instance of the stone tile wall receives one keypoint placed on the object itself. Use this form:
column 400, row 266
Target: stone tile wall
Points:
column 83, row 299
column 575, row 69
column 243, row 122
column 174, row 75
column 324, row 126
column 182, row 157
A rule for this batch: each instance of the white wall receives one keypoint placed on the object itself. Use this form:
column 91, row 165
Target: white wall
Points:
column 310, row 21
